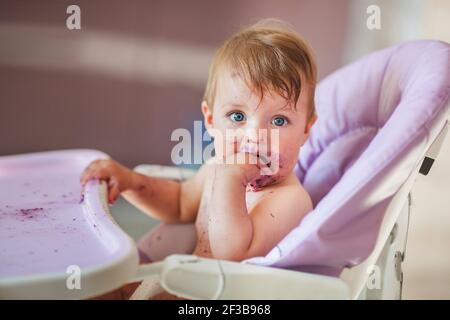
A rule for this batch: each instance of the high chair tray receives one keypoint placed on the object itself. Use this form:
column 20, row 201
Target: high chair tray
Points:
column 55, row 240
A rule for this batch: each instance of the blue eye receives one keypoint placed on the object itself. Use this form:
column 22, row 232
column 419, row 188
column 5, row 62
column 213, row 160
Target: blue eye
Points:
column 237, row 116
column 279, row 121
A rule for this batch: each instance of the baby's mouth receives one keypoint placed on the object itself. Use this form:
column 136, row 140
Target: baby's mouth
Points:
column 263, row 155
column 269, row 160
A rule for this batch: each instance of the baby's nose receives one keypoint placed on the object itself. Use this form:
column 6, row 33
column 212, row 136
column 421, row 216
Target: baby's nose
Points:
column 251, row 135
column 255, row 135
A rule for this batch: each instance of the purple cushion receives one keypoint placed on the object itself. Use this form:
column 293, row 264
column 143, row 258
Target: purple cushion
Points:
column 376, row 118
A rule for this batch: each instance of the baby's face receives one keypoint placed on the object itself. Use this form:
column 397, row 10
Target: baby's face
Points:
column 272, row 128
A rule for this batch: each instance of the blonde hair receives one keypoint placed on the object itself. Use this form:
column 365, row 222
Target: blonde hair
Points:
column 267, row 56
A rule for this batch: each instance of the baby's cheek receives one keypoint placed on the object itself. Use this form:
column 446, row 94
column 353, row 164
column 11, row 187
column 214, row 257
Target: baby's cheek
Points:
column 288, row 159
column 279, row 169
column 224, row 148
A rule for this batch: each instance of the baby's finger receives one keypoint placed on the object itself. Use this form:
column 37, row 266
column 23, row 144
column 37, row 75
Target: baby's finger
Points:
column 101, row 174
column 88, row 171
column 114, row 190
column 91, row 174
column 242, row 158
column 86, row 176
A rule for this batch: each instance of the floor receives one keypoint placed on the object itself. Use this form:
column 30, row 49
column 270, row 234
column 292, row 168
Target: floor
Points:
column 133, row 221
column 427, row 263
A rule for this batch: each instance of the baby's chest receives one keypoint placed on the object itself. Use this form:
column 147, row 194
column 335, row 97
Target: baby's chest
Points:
column 202, row 217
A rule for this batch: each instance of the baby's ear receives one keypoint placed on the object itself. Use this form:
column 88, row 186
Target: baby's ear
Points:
column 207, row 115
column 310, row 124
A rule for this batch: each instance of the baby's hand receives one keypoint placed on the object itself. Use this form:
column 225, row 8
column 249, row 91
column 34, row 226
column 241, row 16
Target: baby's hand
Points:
column 242, row 165
column 117, row 177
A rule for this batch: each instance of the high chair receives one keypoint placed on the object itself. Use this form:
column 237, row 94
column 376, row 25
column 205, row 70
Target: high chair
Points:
column 381, row 122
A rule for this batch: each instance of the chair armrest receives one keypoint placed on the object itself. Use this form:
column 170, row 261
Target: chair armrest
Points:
column 193, row 277
column 169, row 172
column 433, row 151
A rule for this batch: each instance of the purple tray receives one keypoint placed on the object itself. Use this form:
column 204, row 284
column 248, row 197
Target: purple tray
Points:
column 47, row 224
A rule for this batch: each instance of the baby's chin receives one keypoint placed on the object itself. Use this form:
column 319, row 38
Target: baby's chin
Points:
column 264, row 181
column 278, row 172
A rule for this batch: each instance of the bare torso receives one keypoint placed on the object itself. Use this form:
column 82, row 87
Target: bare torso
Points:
column 203, row 248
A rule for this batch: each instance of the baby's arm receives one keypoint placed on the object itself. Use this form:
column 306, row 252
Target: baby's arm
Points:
column 236, row 234
column 167, row 200
column 163, row 199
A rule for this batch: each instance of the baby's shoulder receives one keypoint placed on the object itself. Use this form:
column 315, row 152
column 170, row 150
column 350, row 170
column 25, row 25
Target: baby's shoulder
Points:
column 290, row 193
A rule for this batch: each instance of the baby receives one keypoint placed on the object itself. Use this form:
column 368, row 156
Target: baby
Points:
column 259, row 108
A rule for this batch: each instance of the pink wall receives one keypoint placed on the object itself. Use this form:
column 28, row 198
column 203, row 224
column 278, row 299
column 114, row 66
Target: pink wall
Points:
column 43, row 109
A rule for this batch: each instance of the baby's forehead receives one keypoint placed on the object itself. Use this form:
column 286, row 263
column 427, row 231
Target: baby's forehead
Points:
column 234, row 91
column 234, row 86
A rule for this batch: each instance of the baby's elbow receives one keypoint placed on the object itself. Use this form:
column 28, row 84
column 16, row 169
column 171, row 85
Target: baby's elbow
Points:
column 227, row 254
column 232, row 254
column 186, row 216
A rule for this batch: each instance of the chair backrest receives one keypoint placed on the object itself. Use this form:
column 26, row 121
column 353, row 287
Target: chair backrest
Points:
column 376, row 119
column 380, row 275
